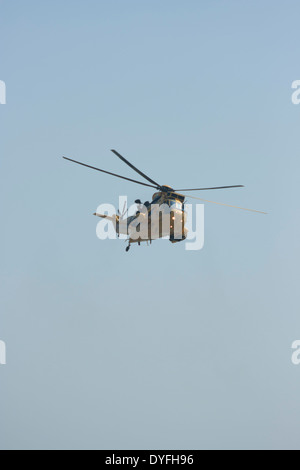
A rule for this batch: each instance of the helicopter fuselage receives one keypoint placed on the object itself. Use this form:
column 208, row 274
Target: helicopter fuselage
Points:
column 164, row 217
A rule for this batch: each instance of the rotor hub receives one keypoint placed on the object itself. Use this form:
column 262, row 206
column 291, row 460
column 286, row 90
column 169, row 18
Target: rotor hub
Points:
column 166, row 188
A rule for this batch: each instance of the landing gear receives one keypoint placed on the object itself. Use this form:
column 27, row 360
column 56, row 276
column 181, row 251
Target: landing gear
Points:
column 127, row 248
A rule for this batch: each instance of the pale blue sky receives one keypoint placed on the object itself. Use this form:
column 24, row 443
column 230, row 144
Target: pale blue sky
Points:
column 159, row 348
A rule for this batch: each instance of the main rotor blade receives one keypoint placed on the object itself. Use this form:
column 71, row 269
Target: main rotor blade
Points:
column 158, row 186
column 109, row 173
column 208, row 189
column 227, row 205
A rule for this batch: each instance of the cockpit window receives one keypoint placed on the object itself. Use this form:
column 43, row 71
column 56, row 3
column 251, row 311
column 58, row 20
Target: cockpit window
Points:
column 176, row 205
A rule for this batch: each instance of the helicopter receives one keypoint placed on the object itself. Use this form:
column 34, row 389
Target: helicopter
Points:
column 171, row 203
